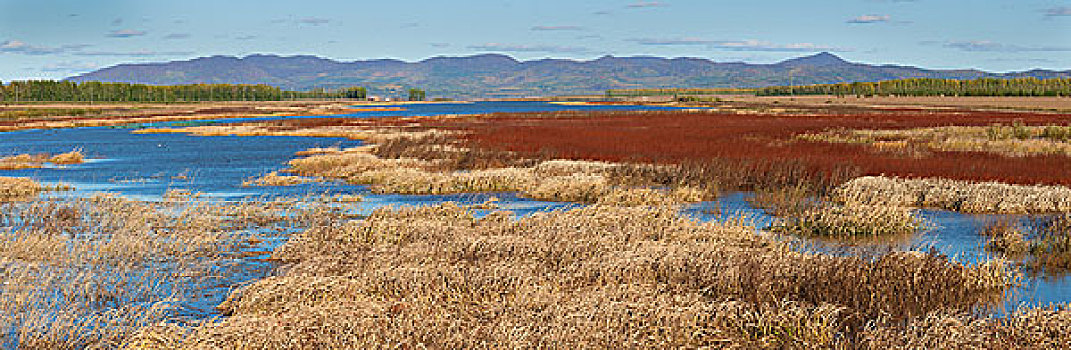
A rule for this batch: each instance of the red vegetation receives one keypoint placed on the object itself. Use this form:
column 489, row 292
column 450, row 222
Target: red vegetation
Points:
column 697, row 137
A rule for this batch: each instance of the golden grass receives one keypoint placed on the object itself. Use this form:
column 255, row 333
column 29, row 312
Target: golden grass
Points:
column 599, row 276
column 123, row 114
column 1013, row 141
column 90, row 273
column 1043, row 244
column 853, row 220
column 1005, row 237
column 72, row 157
column 23, row 161
column 274, row 179
column 961, row 196
column 33, row 161
column 1032, row 328
column 16, row 188
column 555, row 180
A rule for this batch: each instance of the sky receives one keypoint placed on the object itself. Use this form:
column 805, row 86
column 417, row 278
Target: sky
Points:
column 52, row 39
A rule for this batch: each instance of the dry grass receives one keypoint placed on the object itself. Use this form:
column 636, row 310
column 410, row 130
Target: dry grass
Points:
column 17, row 188
column 72, row 157
column 932, row 102
column 274, row 179
column 1043, row 244
column 1035, row 328
column 1013, row 141
column 600, row 276
column 75, row 115
column 1005, row 236
column 853, row 220
column 555, row 180
column 90, row 273
column 962, row 196
column 32, row 161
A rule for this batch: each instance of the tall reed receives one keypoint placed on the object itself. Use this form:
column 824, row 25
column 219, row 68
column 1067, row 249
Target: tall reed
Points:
column 598, row 276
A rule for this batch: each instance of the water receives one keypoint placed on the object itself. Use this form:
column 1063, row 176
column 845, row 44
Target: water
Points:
column 952, row 234
column 146, row 166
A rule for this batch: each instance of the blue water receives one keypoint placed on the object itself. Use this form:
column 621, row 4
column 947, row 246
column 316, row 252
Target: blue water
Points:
column 145, row 166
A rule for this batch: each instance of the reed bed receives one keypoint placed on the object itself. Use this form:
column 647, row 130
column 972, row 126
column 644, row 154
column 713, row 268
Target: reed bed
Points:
column 1043, row 243
column 555, row 180
column 1017, row 140
column 17, row 188
column 961, row 196
column 853, row 220
column 72, row 157
column 598, row 276
column 90, row 273
column 32, row 161
column 1033, row 328
column 274, row 179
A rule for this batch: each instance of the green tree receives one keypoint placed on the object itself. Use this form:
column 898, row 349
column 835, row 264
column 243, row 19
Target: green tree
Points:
column 417, row 94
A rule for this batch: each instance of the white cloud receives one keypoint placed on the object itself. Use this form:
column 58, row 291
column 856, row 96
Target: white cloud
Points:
column 23, row 48
column 314, row 21
column 870, row 19
column 140, row 53
column 69, row 67
column 646, row 4
column 989, row 46
column 1058, row 11
column 737, row 45
column 527, row 48
column 557, row 28
column 126, row 33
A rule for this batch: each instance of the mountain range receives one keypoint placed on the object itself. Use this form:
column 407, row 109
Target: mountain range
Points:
column 496, row 75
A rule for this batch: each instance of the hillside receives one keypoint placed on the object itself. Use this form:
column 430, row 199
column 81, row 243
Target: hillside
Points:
column 494, row 75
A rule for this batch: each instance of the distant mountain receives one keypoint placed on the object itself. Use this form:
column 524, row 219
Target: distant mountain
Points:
column 494, row 75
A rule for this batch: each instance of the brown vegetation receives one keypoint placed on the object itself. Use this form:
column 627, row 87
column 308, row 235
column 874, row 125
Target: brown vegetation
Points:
column 89, row 273
column 73, row 115
column 1044, row 244
column 1013, row 141
column 600, row 276
column 16, row 188
column 31, row 161
column 853, row 221
column 985, row 197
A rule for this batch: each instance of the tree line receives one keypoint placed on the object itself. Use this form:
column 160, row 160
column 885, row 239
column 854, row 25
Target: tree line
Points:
column 932, row 87
column 68, row 91
column 675, row 92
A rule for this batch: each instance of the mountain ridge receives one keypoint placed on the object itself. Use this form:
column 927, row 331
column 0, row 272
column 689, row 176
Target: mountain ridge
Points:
column 498, row 75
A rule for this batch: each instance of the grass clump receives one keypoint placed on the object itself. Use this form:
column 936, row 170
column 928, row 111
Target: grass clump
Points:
column 554, row 180
column 274, row 179
column 598, row 276
column 1043, row 244
column 961, row 196
column 853, row 221
column 17, row 188
column 92, row 272
column 1016, row 140
column 32, row 161
column 72, row 157
column 1005, row 236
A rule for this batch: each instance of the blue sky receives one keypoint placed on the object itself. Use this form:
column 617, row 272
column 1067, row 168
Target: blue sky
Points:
column 58, row 38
